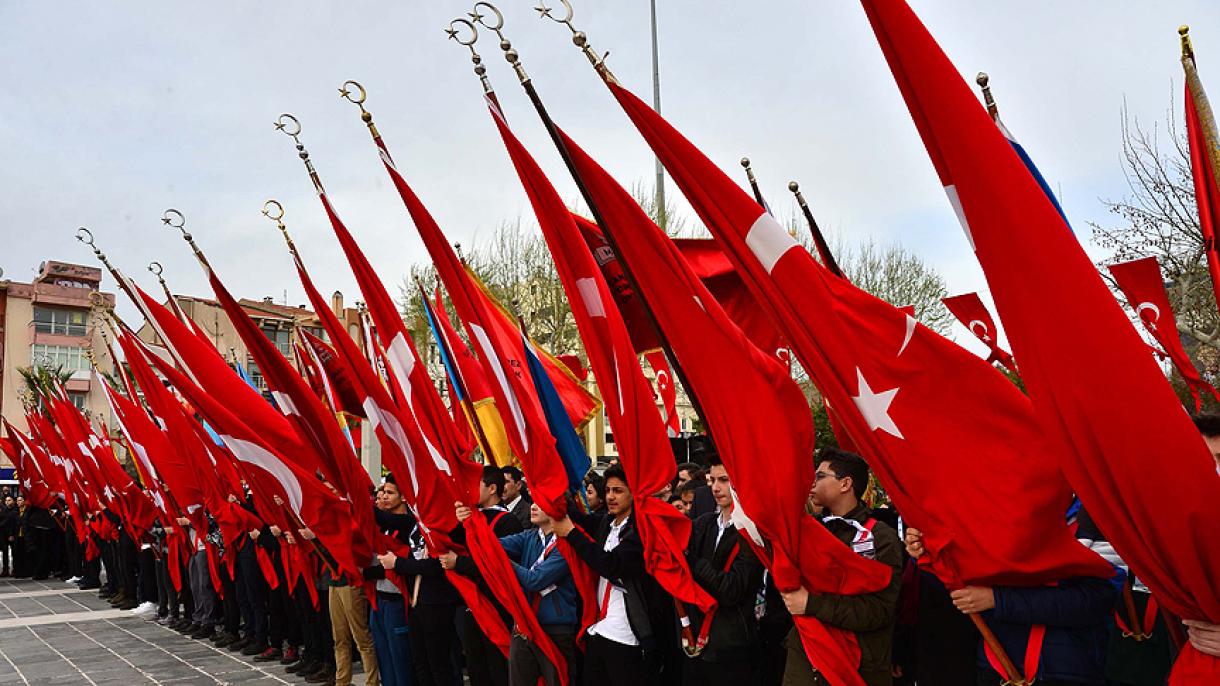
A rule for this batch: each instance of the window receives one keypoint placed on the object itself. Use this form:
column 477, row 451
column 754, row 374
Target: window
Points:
column 77, row 398
column 62, row 356
column 282, row 338
column 60, row 321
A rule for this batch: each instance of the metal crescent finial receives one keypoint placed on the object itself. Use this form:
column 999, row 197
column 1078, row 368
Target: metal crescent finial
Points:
column 156, row 269
column 545, row 12
column 475, row 16
column 510, row 53
column 453, row 33
column 346, row 93
column 273, row 210
column 85, row 236
column 288, row 124
column 175, row 219
column 984, row 82
column 578, row 38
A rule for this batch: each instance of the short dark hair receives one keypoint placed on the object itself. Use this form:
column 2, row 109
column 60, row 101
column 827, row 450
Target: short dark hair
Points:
column 844, row 465
column 713, row 460
column 598, row 482
column 615, row 471
column 1208, row 423
column 389, row 478
column 492, row 476
column 674, row 498
column 509, row 470
column 690, row 486
column 691, row 467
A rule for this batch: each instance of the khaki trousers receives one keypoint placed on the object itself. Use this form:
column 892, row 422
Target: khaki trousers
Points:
column 349, row 621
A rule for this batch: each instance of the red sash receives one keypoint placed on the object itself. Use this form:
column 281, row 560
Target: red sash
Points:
column 692, row 645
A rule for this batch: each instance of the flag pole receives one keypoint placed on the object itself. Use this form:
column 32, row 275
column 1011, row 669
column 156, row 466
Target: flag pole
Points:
column 514, row 59
column 758, row 196
column 819, row 240
column 983, row 80
column 1203, row 109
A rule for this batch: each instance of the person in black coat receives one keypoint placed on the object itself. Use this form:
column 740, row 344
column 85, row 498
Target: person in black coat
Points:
column 633, row 618
column 1076, row 613
column 516, row 498
column 485, row 664
column 8, row 533
column 725, row 642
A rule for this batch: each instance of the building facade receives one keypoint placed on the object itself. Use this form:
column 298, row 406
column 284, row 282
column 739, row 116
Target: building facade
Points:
column 49, row 323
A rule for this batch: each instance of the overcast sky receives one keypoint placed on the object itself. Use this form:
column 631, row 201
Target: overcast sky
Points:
column 115, row 111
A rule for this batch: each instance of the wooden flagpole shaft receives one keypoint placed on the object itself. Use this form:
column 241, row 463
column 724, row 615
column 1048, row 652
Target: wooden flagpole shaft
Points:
column 1011, row 674
column 819, row 240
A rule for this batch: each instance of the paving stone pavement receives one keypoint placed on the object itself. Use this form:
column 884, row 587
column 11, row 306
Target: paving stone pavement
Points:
column 52, row 633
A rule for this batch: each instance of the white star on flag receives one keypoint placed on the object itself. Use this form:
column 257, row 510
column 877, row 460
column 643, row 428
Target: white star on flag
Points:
column 875, row 407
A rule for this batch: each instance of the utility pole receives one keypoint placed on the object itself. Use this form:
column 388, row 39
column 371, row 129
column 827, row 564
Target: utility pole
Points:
column 656, row 105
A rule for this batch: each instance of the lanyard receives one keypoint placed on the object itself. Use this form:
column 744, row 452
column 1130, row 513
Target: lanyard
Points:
column 1143, row 630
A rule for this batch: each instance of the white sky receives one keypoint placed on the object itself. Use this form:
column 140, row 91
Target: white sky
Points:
column 113, row 112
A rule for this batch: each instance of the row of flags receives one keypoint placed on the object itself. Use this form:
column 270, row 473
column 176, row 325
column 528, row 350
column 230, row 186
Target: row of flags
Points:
column 946, row 434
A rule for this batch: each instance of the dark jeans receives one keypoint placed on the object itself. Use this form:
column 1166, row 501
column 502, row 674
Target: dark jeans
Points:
column 388, row 625
column 433, row 637
column 128, row 564
column 251, row 592
column 485, row 664
column 527, row 663
column 168, row 597
column 608, row 663
column 40, row 542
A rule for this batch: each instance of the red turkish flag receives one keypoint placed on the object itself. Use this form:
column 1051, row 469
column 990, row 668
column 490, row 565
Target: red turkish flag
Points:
column 335, row 374
column 259, row 438
column 665, row 389
column 883, row 376
column 972, row 313
column 643, row 447
column 1144, row 287
column 757, row 416
column 1104, row 412
column 313, row 421
column 21, row 452
column 1204, row 158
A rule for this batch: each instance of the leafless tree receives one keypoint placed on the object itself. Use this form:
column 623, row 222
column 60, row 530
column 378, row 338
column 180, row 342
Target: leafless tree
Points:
column 1159, row 217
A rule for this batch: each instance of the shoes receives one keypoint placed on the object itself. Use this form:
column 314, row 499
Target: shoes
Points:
column 203, row 632
column 291, row 655
column 69, row 580
column 168, row 621
column 306, row 666
column 146, row 609
column 326, row 675
column 40, row 577
column 117, row 598
column 240, row 643
column 4, row 572
column 129, row 605
column 224, row 639
column 255, row 648
column 183, row 625
column 269, row 655
column 89, row 585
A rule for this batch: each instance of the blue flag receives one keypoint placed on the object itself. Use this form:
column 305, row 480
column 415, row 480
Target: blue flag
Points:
column 571, row 450
column 1033, row 168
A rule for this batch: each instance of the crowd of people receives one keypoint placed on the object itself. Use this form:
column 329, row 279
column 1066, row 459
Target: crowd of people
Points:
column 1094, row 631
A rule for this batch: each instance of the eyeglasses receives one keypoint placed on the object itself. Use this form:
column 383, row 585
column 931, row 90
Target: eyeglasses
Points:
column 819, row 475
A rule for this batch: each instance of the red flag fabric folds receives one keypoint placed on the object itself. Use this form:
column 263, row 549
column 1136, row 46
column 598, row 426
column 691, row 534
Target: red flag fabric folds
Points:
column 1103, row 412
column 1204, row 167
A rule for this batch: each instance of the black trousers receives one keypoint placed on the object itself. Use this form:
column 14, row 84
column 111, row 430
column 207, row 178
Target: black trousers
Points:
column 282, row 623
column 40, row 543
column 146, row 581
column 230, row 609
column 608, row 663
column 697, row 672
column 251, row 592
column 110, row 561
column 433, row 636
column 128, row 564
column 169, row 599
column 485, row 664
column 316, row 635
column 21, row 557
column 527, row 663
column 91, row 570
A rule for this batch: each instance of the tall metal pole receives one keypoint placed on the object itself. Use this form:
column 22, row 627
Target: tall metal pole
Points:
column 656, row 105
